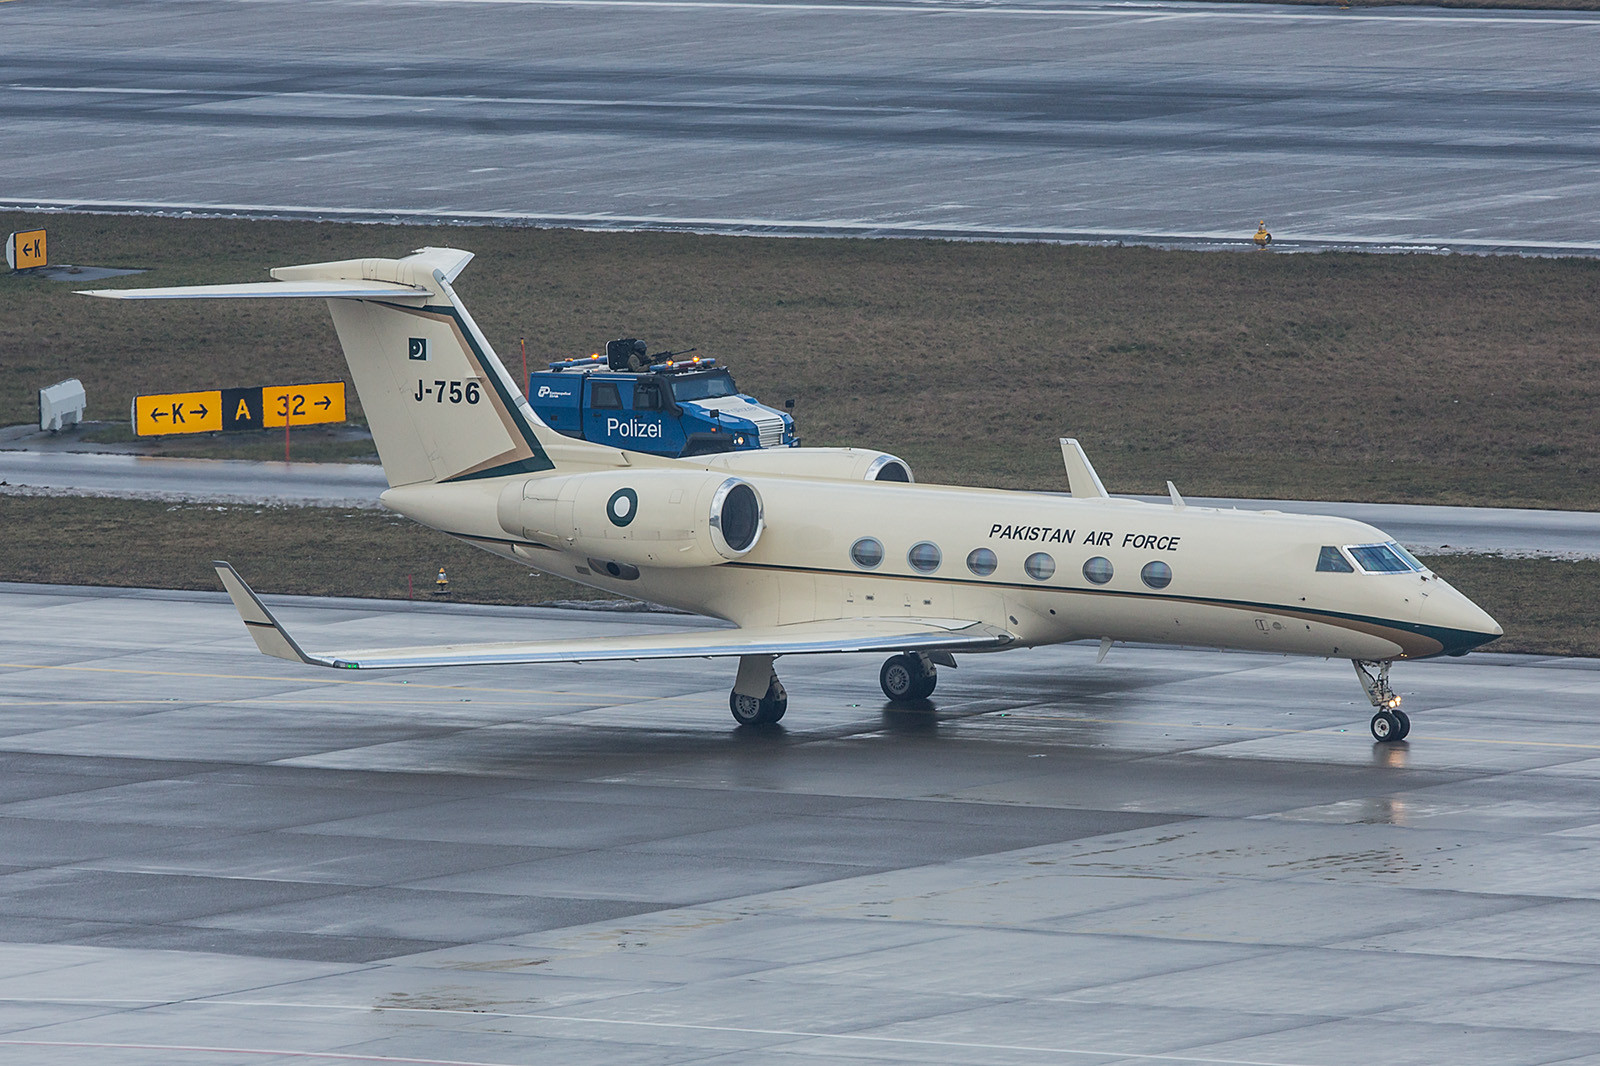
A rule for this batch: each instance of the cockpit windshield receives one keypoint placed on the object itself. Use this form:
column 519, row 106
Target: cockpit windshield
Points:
column 1387, row 558
column 1408, row 557
column 703, row 386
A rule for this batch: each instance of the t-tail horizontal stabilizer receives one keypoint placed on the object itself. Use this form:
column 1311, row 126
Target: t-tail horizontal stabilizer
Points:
column 333, row 289
column 798, row 638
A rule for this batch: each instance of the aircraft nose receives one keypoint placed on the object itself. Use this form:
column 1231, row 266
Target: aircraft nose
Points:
column 1459, row 624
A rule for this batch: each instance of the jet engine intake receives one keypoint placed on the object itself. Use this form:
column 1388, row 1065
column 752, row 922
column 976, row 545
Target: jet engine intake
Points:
column 640, row 518
column 736, row 518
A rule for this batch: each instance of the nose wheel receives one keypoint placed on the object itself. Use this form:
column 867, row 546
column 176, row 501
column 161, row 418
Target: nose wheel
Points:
column 1388, row 726
column 908, row 677
column 1389, row 723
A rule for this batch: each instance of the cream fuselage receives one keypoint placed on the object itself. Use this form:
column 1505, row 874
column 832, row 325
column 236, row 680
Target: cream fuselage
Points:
column 466, row 454
column 1245, row 580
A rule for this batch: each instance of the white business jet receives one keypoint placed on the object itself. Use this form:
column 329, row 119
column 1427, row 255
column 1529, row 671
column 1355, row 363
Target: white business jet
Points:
column 806, row 551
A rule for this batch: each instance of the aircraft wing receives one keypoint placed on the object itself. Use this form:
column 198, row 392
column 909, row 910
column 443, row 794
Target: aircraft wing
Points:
column 798, row 638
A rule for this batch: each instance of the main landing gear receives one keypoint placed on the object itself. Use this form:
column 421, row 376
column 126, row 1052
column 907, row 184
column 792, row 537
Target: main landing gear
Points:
column 908, row 677
column 1390, row 723
column 758, row 697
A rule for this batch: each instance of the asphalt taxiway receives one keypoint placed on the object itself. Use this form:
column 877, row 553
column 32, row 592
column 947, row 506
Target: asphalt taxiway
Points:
column 207, row 856
column 1165, row 122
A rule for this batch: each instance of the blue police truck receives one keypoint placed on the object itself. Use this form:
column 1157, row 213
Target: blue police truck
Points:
column 666, row 403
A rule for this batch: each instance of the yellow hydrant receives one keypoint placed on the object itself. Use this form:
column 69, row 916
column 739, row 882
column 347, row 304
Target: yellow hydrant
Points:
column 441, row 585
column 1263, row 238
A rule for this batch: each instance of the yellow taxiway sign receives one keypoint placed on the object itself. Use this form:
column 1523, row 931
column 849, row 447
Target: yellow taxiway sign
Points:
column 177, row 412
column 302, row 405
column 259, row 407
column 25, row 250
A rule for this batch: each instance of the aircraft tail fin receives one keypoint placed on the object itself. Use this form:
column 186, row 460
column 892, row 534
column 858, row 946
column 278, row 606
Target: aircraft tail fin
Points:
column 441, row 405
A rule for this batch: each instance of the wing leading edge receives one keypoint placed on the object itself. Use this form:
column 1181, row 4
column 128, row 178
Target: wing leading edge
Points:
column 798, row 638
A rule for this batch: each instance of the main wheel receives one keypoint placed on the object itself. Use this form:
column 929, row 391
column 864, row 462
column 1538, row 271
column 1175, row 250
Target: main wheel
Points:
column 1386, row 727
column 748, row 710
column 904, row 679
column 897, row 680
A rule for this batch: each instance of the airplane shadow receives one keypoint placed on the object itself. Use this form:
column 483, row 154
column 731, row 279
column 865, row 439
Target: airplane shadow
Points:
column 764, row 733
column 917, row 718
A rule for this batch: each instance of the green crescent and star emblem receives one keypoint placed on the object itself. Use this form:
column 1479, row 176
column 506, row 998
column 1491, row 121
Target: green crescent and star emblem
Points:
column 622, row 506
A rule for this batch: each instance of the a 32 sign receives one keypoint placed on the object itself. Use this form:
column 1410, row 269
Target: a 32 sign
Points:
column 302, row 405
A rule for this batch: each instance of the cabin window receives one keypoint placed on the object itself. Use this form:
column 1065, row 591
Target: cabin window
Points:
column 1098, row 570
column 1158, row 575
column 1379, row 559
column 866, row 553
column 924, row 557
column 1039, row 566
column 981, row 561
column 605, row 397
column 1332, row 561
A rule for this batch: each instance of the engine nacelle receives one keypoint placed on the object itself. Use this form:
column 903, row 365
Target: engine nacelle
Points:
column 637, row 518
column 844, row 464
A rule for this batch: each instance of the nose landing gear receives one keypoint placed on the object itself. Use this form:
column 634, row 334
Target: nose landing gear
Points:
column 1390, row 723
column 908, row 676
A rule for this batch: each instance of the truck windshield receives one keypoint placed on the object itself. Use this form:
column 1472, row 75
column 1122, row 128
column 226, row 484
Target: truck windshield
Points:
column 703, row 386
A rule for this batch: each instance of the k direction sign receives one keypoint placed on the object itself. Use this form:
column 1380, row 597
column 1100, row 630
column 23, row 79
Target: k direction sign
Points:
column 177, row 412
column 262, row 407
column 26, row 250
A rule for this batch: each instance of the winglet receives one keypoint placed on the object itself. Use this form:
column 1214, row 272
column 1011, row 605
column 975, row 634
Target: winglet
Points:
column 1082, row 481
column 269, row 634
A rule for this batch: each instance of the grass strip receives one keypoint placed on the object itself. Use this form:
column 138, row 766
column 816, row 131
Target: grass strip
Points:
column 302, row 551
column 1403, row 378
column 1546, row 606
